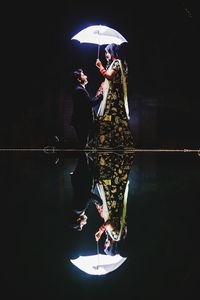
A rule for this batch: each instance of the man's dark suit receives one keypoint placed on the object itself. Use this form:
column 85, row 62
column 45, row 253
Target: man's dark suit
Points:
column 82, row 184
column 82, row 115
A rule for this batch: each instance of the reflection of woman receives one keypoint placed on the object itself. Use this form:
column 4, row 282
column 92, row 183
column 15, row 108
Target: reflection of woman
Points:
column 113, row 113
column 112, row 183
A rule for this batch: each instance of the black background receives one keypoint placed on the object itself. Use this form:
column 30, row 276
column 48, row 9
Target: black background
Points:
column 38, row 56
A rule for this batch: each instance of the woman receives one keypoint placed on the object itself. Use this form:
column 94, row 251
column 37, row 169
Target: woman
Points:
column 113, row 113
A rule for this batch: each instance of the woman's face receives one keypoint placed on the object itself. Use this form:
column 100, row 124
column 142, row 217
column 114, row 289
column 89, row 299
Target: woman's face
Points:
column 100, row 210
column 108, row 56
column 107, row 244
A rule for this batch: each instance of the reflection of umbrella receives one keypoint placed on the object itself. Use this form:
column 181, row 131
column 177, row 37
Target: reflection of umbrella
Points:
column 100, row 35
column 99, row 264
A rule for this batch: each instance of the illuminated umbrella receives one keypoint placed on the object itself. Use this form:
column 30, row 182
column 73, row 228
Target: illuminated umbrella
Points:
column 100, row 35
column 99, row 264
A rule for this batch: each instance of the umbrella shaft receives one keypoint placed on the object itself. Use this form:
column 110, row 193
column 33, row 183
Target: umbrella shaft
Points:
column 97, row 254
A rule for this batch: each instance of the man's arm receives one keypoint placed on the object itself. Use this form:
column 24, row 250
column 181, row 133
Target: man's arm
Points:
column 96, row 100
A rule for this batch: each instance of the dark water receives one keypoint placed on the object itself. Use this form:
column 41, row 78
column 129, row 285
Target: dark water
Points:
column 162, row 246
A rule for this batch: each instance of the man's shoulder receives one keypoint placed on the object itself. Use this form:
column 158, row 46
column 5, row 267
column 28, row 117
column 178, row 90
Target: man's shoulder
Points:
column 79, row 90
column 78, row 87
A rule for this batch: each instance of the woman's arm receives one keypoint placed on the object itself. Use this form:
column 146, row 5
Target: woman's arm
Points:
column 105, row 226
column 109, row 74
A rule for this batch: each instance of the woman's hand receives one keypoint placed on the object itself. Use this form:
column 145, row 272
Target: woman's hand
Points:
column 98, row 235
column 98, row 63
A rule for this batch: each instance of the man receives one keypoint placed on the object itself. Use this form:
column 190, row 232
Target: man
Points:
column 83, row 116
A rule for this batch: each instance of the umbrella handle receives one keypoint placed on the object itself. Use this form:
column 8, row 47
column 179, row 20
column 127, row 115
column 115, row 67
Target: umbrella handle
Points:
column 98, row 51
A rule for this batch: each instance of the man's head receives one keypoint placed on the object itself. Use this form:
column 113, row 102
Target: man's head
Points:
column 79, row 77
column 81, row 220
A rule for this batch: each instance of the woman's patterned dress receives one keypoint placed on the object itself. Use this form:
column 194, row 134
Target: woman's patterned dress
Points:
column 113, row 127
column 112, row 182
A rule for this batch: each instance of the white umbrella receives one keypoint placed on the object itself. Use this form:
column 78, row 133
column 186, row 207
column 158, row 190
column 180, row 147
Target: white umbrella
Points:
column 99, row 264
column 100, row 35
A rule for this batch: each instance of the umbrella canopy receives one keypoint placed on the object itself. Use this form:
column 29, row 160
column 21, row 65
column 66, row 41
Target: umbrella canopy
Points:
column 99, row 264
column 100, row 35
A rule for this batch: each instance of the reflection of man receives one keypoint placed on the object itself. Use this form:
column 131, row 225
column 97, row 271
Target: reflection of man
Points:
column 83, row 116
column 82, row 183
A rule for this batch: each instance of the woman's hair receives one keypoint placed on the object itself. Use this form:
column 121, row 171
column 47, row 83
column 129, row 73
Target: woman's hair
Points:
column 111, row 249
column 118, row 51
column 110, row 246
column 113, row 49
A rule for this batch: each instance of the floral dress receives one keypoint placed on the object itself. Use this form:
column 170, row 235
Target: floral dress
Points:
column 112, row 183
column 113, row 126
